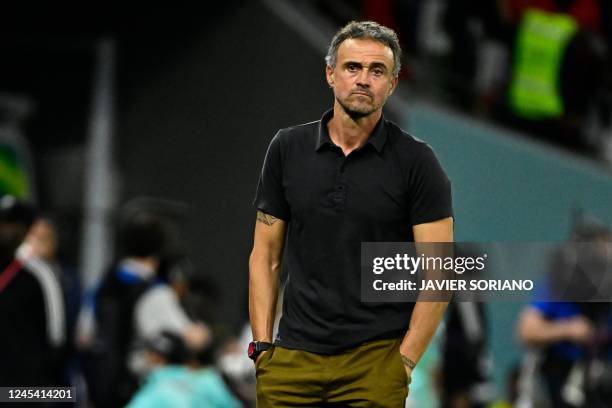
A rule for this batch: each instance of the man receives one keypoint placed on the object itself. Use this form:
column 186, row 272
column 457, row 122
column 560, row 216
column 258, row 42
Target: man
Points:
column 141, row 247
column 32, row 317
column 132, row 304
column 349, row 178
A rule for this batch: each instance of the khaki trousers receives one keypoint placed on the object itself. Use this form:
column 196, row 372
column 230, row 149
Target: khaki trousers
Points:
column 370, row 375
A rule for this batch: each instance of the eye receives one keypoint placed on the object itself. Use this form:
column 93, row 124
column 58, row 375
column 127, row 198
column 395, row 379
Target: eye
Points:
column 378, row 71
column 352, row 67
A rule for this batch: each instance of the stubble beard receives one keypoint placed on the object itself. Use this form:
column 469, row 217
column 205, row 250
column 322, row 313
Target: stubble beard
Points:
column 357, row 111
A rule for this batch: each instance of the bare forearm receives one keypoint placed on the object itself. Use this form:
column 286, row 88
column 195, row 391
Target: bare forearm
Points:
column 263, row 295
column 546, row 333
column 427, row 315
column 424, row 322
column 264, row 271
column 534, row 329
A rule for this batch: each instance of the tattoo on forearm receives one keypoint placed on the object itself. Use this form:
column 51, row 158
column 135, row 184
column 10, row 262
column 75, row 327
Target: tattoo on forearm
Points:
column 266, row 218
column 408, row 362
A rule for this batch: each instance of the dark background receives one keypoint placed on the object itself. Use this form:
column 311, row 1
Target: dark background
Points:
column 199, row 94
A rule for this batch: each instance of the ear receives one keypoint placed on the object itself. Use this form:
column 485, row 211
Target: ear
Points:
column 394, row 82
column 329, row 75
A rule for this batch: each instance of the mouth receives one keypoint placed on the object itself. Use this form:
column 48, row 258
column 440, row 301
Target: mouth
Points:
column 362, row 93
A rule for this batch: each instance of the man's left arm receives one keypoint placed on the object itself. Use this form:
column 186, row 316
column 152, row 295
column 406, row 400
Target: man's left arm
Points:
column 426, row 315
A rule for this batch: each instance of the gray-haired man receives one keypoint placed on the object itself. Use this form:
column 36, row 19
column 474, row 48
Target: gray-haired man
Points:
column 326, row 187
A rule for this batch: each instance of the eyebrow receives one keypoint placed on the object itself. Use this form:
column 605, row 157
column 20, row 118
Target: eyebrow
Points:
column 374, row 64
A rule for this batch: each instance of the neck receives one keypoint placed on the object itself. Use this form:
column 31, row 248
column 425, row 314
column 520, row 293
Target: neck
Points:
column 350, row 133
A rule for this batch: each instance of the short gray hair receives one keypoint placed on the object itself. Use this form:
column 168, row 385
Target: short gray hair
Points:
column 368, row 30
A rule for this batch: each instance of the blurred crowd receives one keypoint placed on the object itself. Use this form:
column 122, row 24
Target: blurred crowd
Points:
column 541, row 67
column 139, row 339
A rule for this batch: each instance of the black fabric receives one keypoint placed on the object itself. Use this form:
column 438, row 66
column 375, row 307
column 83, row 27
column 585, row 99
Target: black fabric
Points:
column 334, row 203
column 26, row 356
column 555, row 371
column 462, row 359
column 109, row 380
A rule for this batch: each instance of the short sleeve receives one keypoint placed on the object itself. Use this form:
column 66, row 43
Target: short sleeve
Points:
column 430, row 189
column 270, row 196
column 547, row 309
column 551, row 309
column 158, row 310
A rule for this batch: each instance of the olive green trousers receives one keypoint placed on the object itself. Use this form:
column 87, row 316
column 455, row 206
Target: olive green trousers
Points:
column 370, row 375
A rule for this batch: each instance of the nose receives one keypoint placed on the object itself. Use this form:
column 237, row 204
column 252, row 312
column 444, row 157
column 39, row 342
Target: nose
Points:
column 363, row 79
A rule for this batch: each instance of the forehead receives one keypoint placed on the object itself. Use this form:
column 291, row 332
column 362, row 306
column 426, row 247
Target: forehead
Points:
column 365, row 50
column 43, row 227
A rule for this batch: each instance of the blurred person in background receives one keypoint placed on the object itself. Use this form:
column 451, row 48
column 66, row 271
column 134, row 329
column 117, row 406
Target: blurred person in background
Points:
column 32, row 319
column 167, row 383
column 175, row 378
column 542, row 66
column 478, row 51
column 559, row 87
column 509, row 400
column 348, row 178
column 575, row 337
column 139, row 298
column 141, row 240
column 466, row 363
column 42, row 241
column 159, row 310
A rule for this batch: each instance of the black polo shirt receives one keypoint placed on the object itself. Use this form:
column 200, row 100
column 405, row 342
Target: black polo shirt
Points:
column 332, row 204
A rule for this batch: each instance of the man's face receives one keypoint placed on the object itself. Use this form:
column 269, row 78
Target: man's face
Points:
column 363, row 77
column 43, row 238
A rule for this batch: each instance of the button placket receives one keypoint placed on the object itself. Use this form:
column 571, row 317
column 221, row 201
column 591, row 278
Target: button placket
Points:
column 340, row 187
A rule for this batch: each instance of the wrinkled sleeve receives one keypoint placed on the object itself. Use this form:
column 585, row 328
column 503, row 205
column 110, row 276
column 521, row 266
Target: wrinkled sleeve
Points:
column 430, row 189
column 270, row 196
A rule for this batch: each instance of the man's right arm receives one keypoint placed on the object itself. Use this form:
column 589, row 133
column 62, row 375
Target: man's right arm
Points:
column 535, row 329
column 264, row 273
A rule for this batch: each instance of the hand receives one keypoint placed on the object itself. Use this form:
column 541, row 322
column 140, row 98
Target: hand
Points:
column 197, row 336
